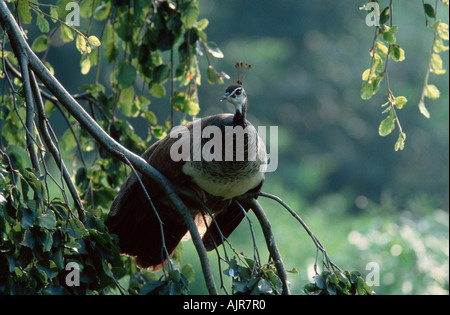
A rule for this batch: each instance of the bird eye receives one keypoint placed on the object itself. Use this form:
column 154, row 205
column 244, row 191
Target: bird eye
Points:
column 238, row 92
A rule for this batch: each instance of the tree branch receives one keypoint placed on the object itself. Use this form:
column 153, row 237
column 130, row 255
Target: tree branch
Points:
column 56, row 153
column 23, row 61
column 270, row 241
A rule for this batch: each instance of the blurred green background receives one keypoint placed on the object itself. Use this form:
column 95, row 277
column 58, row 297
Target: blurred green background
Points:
column 365, row 202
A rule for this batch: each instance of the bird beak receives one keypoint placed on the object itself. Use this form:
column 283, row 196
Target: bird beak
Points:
column 225, row 96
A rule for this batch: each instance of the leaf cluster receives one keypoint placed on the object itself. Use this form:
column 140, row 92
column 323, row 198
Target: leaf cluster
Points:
column 176, row 283
column 338, row 283
column 435, row 64
column 154, row 43
column 38, row 240
column 251, row 278
column 386, row 47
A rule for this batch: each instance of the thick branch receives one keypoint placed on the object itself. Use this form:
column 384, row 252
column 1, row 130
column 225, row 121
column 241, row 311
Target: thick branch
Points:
column 270, row 241
column 20, row 45
column 23, row 60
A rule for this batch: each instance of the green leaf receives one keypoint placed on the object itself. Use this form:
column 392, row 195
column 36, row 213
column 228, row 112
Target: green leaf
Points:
column 107, row 269
column 34, row 182
column 126, row 75
column 397, row 53
column 28, row 239
column 40, row 44
column 111, row 51
column 93, row 57
column 400, row 101
column 75, row 228
column 42, row 23
column 85, row 64
column 239, row 286
column 233, row 269
column 175, row 275
column 143, row 102
column 62, row 12
column 360, row 286
column 382, row 49
column 294, row 271
column 264, row 287
column 214, row 50
column 439, row 72
column 54, row 14
column 423, row 110
column 86, row 8
column 94, row 41
column 151, row 287
column 366, row 73
column 320, row 281
column 126, row 100
column 436, row 63
column 188, row 272
column 150, row 116
column 157, row 90
column 310, row 288
column 400, row 144
column 67, row 34
column 202, row 24
column 82, row 45
column 47, row 221
column 429, row 10
column 366, row 91
column 345, row 281
column 179, row 101
column 159, row 132
column 431, row 91
column 387, row 125
column 28, row 217
column 442, row 29
column 388, row 33
column 102, row 11
column 190, row 15
column 161, row 74
column 211, row 75
column 192, row 108
column 47, row 241
column 384, row 16
column 48, row 267
column 24, row 11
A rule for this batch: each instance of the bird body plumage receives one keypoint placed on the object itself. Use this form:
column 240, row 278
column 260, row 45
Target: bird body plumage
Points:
column 207, row 187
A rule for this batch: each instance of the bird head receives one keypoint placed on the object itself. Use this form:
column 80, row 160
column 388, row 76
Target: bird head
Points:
column 235, row 94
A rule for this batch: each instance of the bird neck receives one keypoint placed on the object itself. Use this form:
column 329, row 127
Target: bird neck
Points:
column 239, row 115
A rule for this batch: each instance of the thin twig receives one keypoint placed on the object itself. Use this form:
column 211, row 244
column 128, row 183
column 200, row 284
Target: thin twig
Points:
column 56, row 153
column 164, row 251
column 52, row 99
column 326, row 260
column 255, row 247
